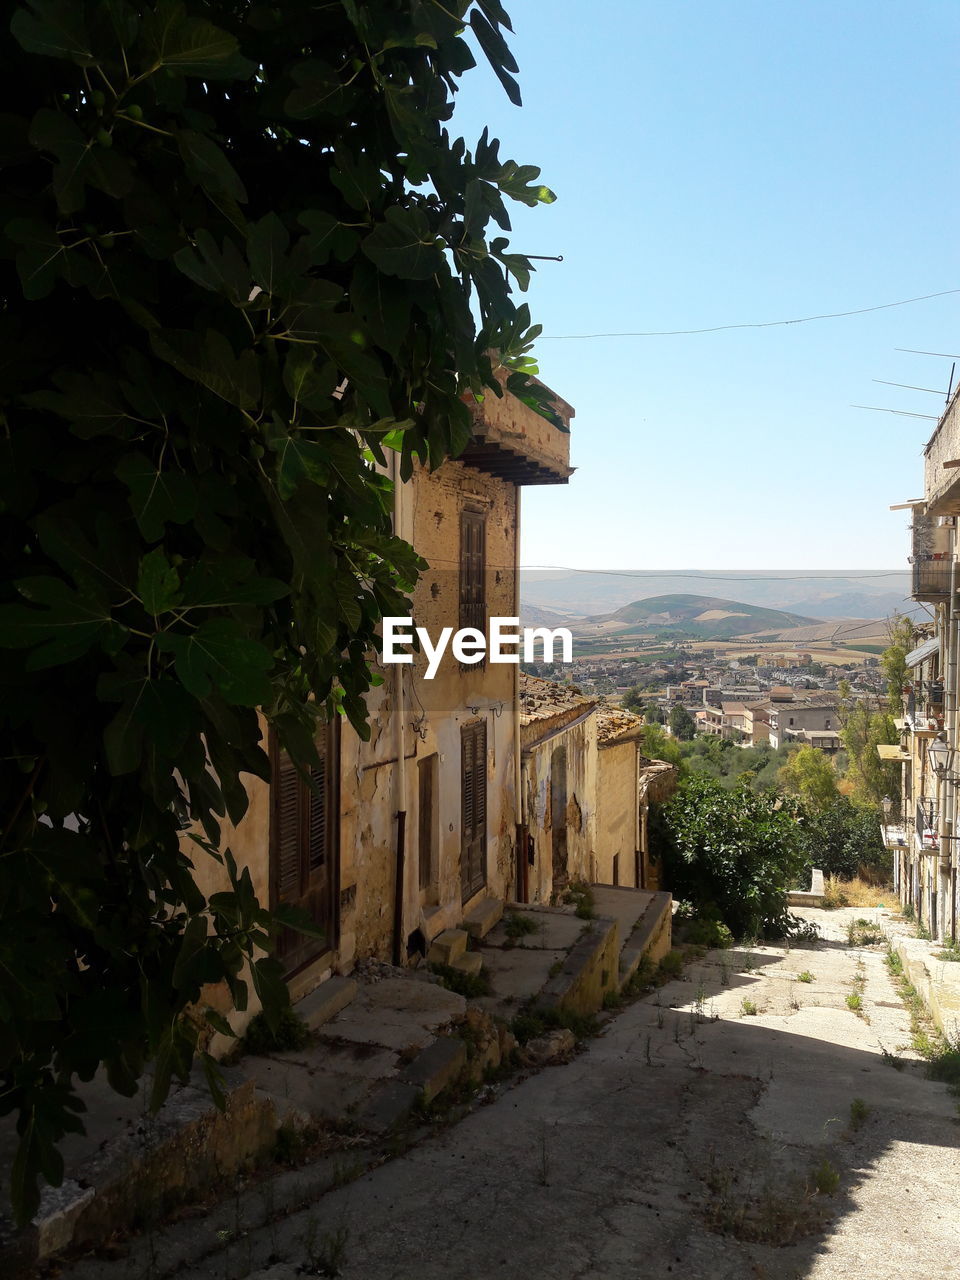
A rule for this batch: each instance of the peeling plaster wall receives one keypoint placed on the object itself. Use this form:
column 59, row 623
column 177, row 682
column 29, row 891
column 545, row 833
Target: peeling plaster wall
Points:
column 579, row 784
column 439, row 708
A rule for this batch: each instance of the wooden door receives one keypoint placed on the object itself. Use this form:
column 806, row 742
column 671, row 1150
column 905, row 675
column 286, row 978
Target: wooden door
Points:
column 303, row 853
column 473, row 795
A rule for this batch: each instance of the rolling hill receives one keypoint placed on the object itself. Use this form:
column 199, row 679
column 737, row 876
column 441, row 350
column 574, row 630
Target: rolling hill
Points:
column 706, row 617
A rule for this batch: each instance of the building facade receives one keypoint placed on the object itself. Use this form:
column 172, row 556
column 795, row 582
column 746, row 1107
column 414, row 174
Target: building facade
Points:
column 925, row 845
column 409, row 832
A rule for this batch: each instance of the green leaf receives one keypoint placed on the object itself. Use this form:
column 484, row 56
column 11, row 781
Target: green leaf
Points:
column 219, row 1023
column 157, row 496
column 41, row 257
column 229, row 582
column 208, row 165
column 308, row 384
column 192, row 45
column 219, row 655
column 235, row 379
column 54, row 29
column 64, row 627
column 403, row 246
column 269, row 985
column 497, row 54
column 318, row 92
column 158, row 585
column 267, row 247
column 192, row 947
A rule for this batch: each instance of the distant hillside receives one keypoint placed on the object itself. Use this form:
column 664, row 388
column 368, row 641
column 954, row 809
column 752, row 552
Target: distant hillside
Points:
column 707, row 617
column 817, row 593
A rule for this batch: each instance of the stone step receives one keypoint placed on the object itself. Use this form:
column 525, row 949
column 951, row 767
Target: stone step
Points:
column 483, row 917
column 470, row 962
column 326, row 1001
column 436, row 1066
column 651, row 936
column 447, row 946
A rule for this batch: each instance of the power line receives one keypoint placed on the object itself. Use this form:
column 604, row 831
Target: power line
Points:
column 716, row 577
column 765, row 324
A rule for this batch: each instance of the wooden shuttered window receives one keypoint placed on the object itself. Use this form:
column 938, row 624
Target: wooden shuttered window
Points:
column 426, row 825
column 473, row 808
column 473, row 564
column 303, row 848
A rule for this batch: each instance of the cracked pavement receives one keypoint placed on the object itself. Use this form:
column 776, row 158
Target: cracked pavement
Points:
column 688, row 1139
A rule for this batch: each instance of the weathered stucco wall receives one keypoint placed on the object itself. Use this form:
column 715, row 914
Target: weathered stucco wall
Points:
column 560, row 777
column 617, row 813
column 438, row 708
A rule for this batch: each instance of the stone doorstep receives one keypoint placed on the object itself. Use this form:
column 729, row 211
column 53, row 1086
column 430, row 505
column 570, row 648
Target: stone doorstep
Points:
column 470, row 962
column 482, row 918
column 447, row 946
column 325, row 1001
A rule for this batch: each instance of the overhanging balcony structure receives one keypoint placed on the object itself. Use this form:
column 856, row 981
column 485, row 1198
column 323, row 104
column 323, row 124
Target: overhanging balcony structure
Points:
column 932, row 555
column 514, row 442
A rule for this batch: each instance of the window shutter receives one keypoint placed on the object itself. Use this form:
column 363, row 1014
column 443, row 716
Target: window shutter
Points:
column 288, row 830
column 317, row 818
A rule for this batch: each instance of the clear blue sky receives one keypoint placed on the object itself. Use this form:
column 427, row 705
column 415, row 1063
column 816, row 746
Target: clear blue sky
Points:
column 730, row 163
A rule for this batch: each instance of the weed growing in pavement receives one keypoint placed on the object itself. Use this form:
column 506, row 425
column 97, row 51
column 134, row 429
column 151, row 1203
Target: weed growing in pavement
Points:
column 806, row 976
column 893, row 962
column 950, row 952
column 942, row 1053
column 863, row 933
column 763, row 1207
column 581, row 894
column 825, row 1178
column 325, row 1251
column 468, row 985
column 855, row 1002
column 748, row 1009
column 891, row 1059
column 858, row 1113
column 291, row 1033
column 517, row 925
column 671, row 966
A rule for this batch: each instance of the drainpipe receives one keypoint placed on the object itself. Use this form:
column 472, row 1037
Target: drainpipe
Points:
column 523, row 866
column 400, row 771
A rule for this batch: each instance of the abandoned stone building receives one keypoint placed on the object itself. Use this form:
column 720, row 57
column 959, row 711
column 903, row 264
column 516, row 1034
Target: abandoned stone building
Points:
column 465, row 796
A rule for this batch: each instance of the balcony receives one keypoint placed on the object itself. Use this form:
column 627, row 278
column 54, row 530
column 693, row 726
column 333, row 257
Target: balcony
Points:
column 941, row 480
column 932, row 557
column 928, row 825
column 513, row 441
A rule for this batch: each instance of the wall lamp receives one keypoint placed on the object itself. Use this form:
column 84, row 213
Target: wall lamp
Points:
column 942, row 757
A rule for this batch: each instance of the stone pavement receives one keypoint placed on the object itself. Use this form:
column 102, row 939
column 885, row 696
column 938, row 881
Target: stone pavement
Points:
column 694, row 1138
column 384, row 1045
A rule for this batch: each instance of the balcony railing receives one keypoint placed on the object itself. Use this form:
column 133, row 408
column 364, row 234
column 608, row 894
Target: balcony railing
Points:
column 928, row 824
column 932, row 559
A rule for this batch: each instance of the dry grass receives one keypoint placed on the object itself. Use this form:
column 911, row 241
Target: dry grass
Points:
column 857, row 893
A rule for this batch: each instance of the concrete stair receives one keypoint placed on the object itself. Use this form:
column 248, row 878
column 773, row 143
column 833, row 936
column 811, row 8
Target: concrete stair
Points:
column 650, row 936
column 326, row 1001
column 470, row 962
column 482, row 917
column 448, row 946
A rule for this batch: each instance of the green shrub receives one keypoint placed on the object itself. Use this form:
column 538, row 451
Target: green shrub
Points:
column 468, row 985
column 291, row 1033
column 517, row 925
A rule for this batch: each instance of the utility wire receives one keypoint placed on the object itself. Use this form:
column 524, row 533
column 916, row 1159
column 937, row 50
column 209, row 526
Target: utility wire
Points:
column 765, row 324
column 716, row 577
